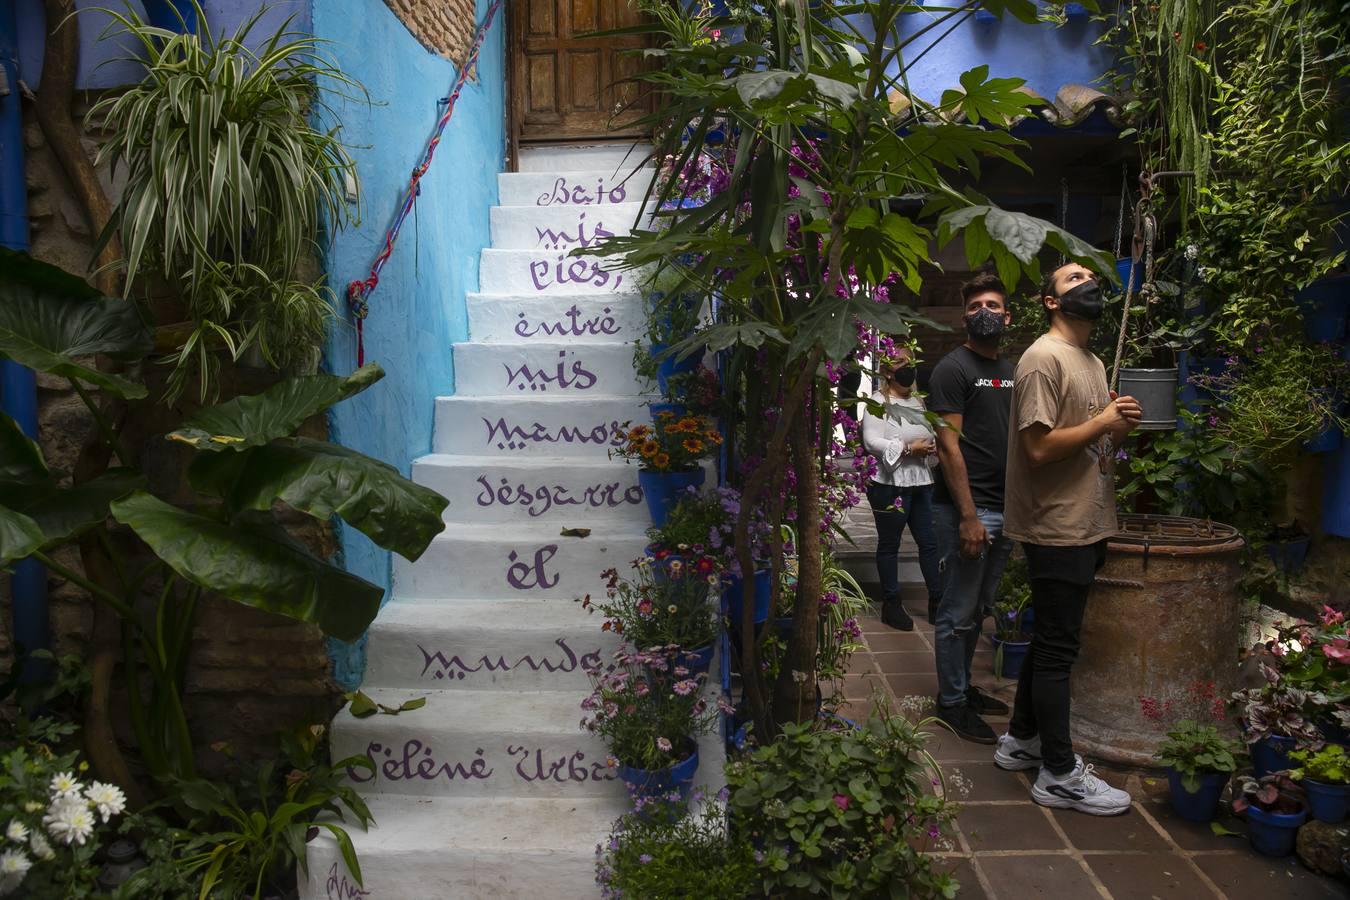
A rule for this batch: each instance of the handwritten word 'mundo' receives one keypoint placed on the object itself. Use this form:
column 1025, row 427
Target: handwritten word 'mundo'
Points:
column 539, row 500
column 569, row 270
column 455, row 667
column 514, row 437
column 574, row 326
column 564, row 194
column 549, row 239
column 575, row 377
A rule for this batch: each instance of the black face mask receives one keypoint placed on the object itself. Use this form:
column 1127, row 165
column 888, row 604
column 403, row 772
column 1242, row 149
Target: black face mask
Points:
column 904, row 377
column 1082, row 302
column 985, row 325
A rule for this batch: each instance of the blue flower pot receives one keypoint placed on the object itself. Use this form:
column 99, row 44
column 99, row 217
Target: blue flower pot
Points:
column 663, row 490
column 657, row 784
column 1271, row 754
column 1203, row 805
column 1327, row 802
column 1014, row 654
column 1125, row 269
column 1273, row 833
column 672, row 365
column 698, row 662
column 733, row 597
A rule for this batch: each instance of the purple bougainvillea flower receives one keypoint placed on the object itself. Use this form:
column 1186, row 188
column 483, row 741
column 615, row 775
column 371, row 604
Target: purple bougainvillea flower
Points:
column 841, row 801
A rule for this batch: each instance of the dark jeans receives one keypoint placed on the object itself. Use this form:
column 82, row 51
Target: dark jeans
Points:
column 916, row 510
column 1061, row 578
column 969, row 587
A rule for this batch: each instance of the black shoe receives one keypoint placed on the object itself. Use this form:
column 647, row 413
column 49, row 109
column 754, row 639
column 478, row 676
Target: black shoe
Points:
column 984, row 704
column 967, row 724
column 893, row 614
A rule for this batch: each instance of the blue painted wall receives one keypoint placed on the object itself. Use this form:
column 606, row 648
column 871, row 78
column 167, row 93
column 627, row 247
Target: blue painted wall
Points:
column 100, row 66
column 418, row 310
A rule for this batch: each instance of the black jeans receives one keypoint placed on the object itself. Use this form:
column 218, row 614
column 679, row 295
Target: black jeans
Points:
column 1061, row 578
column 916, row 511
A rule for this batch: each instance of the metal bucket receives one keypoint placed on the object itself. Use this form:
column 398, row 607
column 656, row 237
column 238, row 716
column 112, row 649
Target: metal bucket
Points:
column 1156, row 391
column 1164, row 613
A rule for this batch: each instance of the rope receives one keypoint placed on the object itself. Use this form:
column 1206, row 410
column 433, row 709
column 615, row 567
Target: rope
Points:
column 359, row 291
column 1144, row 227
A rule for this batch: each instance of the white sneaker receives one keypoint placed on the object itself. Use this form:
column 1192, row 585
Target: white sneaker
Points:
column 1080, row 790
column 1012, row 754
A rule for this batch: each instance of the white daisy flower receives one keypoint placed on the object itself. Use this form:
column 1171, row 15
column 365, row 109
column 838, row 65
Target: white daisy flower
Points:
column 70, row 820
column 13, row 866
column 107, row 798
column 37, row 842
column 64, row 785
column 17, row 832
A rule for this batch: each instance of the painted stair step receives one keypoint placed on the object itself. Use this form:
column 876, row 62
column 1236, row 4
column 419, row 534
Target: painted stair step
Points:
column 495, row 318
column 468, row 849
column 468, row 562
column 568, row 491
column 514, row 426
column 558, row 369
column 481, row 644
column 562, row 228
column 535, row 273
column 597, row 187
column 610, row 156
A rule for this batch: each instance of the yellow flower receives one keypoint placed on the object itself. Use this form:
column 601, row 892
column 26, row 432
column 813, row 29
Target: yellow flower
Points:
column 693, row 445
column 650, row 448
column 661, row 460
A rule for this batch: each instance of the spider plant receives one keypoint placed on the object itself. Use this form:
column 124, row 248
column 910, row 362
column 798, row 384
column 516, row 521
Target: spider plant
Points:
column 228, row 176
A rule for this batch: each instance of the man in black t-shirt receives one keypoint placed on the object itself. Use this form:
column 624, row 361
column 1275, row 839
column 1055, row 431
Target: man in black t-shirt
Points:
column 971, row 388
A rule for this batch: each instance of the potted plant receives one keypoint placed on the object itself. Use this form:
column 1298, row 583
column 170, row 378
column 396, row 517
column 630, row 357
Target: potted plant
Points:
column 671, row 613
column 1199, row 757
column 668, row 451
column 1014, row 584
column 650, row 716
column 1275, row 806
column 1011, row 641
column 1325, row 776
column 696, row 392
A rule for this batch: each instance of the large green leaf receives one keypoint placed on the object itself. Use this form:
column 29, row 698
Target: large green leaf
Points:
column 19, row 536
column 277, row 412
column 61, row 514
column 324, row 479
column 989, row 230
column 49, row 318
column 20, row 457
column 996, row 99
column 833, row 325
column 252, row 560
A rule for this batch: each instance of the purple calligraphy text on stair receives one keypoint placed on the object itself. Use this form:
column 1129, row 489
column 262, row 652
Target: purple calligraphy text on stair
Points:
column 514, row 437
column 532, row 767
column 564, row 194
column 532, row 576
column 339, row 888
column 574, row 326
column 456, row 668
column 539, row 500
column 561, row 239
column 570, row 270
column 417, row 763
column 568, row 377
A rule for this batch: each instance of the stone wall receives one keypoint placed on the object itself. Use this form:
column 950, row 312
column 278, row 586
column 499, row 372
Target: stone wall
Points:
column 252, row 673
column 444, row 27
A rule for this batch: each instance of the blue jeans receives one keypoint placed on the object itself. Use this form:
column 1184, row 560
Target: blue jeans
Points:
column 916, row 510
column 967, row 597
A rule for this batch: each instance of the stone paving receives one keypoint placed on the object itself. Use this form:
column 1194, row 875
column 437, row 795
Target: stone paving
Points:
column 1008, row 848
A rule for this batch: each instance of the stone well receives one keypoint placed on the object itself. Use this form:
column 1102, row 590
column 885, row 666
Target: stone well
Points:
column 1163, row 614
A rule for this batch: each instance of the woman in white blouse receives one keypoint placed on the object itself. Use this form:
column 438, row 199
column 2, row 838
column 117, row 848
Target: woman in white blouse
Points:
column 901, row 492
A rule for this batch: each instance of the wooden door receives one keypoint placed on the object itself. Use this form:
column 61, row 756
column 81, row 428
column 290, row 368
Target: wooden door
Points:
column 564, row 87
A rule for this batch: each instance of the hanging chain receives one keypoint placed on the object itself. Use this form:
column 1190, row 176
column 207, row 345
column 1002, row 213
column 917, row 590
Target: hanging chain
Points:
column 1063, row 211
column 1120, row 215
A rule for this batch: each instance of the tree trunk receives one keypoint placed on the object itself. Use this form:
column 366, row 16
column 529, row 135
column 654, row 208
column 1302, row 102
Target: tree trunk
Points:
column 795, row 692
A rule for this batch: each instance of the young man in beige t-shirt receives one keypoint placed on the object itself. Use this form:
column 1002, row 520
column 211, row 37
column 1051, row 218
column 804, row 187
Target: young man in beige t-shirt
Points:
column 1060, row 503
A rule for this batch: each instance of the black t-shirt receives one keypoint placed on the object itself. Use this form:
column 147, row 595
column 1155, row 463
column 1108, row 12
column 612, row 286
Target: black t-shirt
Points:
column 980, row 390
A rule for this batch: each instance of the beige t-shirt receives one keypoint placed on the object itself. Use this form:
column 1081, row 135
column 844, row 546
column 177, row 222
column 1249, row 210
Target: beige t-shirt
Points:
column 1069, row 502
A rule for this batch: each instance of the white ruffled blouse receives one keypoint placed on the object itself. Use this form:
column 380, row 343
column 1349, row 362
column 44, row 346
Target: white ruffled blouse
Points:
column 887, row 438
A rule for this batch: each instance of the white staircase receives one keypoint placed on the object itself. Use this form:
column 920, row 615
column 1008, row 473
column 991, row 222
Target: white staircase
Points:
column 492, row 790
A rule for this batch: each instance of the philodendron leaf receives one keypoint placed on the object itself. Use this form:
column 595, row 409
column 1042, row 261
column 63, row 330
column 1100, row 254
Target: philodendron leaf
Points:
column 64, row 513
column 990, row 230
column 277, row 412
column 21, row 459
column 253, row 561
column 324, row 480
column 49, row 319
column 19, row 536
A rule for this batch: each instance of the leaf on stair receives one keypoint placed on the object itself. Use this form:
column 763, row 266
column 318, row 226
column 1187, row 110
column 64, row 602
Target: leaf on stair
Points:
column 576, row 532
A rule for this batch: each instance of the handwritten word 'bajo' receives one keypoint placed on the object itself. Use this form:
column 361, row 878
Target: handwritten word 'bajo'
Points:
column 575, row 377
column 514, row 437
column 565, row 194
column 574, row 326
column 569, row 270
column 549, row 239
column 457, row 668
column 539, row 500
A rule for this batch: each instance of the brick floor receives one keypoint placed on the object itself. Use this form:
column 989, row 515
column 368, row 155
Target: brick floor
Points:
column 1008, row 848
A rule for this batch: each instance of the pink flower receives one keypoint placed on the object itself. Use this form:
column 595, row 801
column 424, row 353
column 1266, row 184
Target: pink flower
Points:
column 1331, row 617
column 841, row 802
column 663, row 744
column 686, row 687
column 1337, row 651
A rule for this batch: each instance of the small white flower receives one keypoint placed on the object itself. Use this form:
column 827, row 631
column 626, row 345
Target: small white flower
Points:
column 1192, row 251
column 69, row 820
column 13, row 867
column 37, row 842
column 32, row 806
column 64, row 785
column 107, row 798
column 17, row 832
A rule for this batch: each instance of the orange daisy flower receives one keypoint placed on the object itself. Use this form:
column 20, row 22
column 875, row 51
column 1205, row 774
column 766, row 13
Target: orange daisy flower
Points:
column 693, row 445
column 649, row 448
column 661, row 460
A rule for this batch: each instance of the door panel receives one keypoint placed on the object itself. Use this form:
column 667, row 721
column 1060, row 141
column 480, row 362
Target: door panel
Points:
column 562, row 86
